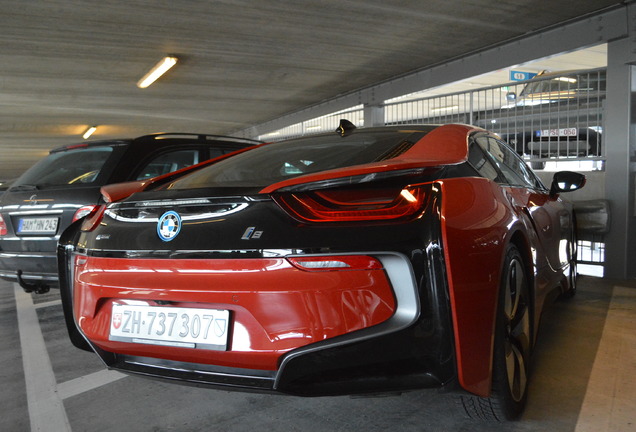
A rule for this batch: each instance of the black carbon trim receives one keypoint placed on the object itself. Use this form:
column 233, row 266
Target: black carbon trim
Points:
column 402, row 279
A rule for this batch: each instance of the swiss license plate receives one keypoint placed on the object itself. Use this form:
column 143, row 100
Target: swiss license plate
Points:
column 564, row 132
column 37, row 225
column 170, row 326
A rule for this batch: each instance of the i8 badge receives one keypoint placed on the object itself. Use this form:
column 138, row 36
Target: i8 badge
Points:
column 168, row 226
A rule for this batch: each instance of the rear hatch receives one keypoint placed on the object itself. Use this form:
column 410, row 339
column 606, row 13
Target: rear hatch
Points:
column 45, row 200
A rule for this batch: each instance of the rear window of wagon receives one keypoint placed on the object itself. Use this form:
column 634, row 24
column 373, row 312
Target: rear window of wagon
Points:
column 71, row 167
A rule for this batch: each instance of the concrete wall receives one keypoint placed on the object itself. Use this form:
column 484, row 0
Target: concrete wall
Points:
column 594, row 187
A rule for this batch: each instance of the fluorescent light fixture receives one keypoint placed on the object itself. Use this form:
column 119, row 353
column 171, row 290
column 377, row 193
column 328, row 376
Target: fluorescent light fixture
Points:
column 445, row 108
column 89, row 132
column 271, row 134
column 566, row 79
column 158, row 70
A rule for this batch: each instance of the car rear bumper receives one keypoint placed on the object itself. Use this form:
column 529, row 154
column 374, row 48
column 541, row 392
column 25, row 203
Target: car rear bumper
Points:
column 371, row 336
column 34, row 266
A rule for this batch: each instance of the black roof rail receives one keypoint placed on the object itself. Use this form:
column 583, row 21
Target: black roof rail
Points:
column 118, row 141
column 199, row 137
column 157, row 136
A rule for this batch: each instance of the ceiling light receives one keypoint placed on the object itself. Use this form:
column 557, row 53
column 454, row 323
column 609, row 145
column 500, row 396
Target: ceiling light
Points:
column 89, row 132
column 158, row 70
column 566, row 79
column 445, row 108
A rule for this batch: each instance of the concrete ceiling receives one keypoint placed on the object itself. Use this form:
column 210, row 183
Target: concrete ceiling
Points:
column 69, row 64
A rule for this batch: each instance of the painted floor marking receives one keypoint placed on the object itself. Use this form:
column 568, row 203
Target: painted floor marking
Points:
column 88, row 382
column 47, row 304
column 44, row 394
column 610, row 399
column 46, row 410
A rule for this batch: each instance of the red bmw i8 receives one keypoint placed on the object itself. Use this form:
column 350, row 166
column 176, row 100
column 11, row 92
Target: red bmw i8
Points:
column 362, row 261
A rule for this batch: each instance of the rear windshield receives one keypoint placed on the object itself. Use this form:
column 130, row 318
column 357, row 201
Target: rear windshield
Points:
column 72, row 167
column 276, row 162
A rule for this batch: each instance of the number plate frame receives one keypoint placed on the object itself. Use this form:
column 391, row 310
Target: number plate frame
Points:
column 38, row 225
column 557, row 133
column 164, row 325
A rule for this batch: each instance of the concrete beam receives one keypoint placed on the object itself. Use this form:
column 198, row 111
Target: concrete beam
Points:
column 591, row 30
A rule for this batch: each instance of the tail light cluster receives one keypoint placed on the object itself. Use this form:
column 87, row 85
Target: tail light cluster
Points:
column 349, row 205
column 83, row 211
column 93, row 218
column 3, row 226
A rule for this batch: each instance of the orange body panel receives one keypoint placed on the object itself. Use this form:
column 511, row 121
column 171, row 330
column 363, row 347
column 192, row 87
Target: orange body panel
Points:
column 474, row 233
column 274, row 307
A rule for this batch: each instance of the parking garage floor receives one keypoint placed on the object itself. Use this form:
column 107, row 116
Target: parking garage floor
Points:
column 583, row 379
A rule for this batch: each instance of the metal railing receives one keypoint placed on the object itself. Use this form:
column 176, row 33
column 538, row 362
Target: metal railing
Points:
column 550, row 117
column 317, row 125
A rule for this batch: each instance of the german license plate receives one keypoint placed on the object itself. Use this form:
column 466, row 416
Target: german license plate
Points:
column 37, row 225
column 170, row 326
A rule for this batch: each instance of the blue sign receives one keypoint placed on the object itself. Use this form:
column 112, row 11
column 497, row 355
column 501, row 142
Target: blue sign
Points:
column 521, row 76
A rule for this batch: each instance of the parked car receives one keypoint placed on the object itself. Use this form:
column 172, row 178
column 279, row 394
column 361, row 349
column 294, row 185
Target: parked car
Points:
column 64, row 187
column 556, row 114
column 363, row 261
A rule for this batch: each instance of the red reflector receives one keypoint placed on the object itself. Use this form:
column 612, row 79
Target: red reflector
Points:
column 93, row 218
column 3, row 227
column 336, row 262
column 354, row 205
column 83, row 211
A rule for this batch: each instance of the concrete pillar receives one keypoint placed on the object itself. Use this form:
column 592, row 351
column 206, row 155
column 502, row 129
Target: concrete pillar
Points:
column 373, row 115
column 620, row 149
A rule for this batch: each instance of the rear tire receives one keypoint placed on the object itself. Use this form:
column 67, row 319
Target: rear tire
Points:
column 511, row 354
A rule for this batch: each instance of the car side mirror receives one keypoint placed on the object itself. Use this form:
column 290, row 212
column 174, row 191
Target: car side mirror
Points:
column 566, row 181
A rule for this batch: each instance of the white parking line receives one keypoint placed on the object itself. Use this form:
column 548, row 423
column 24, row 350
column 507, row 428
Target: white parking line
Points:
column 46, row 410
column 88, row 382
column 610, row 399
column 47, row 304
column 44, row 394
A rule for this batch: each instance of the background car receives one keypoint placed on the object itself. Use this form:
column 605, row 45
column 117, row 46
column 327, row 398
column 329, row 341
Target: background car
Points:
column 557, row 114
column 363, row 261
column 64, row 187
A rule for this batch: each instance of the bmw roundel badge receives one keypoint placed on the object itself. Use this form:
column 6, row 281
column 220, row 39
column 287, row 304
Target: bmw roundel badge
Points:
column 168, row 226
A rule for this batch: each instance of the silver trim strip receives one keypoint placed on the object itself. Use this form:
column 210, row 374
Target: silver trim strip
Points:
column 26, row 255
column 14, row 276
column 402, row 278
column 43, row 212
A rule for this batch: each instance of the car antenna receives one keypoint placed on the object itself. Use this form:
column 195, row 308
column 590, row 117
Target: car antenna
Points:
column 345, row 127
